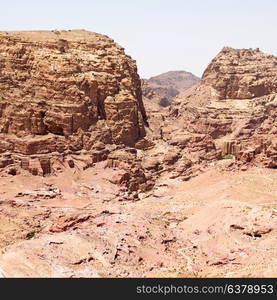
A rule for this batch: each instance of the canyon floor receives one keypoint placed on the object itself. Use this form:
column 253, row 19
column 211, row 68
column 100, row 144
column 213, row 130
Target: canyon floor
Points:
column 76, row 224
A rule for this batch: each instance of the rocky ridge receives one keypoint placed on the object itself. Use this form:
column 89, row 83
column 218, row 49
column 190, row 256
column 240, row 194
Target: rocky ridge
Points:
column 242, row 73
column 230, row 123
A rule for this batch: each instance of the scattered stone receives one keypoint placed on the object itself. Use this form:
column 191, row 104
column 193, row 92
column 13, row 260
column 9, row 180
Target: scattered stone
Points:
column 44, row 193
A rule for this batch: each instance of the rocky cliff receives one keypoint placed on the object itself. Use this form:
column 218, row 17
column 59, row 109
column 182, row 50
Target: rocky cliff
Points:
column 242, row 73
column 63, row 91
column 234, row 107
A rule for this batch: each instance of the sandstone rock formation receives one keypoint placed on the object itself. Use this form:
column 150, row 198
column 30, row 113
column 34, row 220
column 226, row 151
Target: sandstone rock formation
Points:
column 234, row 108
column 242, row 73
column 63, row 92
column 165, row 87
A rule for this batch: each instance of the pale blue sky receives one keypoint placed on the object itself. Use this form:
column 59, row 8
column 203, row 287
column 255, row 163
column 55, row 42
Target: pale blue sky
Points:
column 161, row 35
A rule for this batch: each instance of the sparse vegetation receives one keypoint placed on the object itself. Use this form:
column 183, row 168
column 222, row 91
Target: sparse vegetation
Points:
column 227, row 156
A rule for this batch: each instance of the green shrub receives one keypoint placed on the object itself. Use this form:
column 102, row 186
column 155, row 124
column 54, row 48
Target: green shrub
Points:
column 227, row 156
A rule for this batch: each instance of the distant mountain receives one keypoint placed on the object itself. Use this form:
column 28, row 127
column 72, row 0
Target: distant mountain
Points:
column 165, row 87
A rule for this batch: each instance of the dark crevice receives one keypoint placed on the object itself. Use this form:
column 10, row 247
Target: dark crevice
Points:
column 256, row 235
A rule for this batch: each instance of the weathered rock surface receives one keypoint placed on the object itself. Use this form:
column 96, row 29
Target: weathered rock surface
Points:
column 63, row 91
column 117, row 203
column 242, row 73
column 233, row 110
column 217, row 224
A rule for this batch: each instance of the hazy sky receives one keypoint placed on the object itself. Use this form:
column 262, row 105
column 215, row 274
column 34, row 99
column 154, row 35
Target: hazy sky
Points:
column 161, row 35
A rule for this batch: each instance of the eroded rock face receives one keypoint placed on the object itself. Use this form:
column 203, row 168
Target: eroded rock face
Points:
column 63, row 91
column 66, row 83
column 242, row 73
column 233, row 109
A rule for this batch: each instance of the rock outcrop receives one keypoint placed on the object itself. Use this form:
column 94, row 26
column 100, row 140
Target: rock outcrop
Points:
column 242, row 73
column 62, row 92
column 233, row 109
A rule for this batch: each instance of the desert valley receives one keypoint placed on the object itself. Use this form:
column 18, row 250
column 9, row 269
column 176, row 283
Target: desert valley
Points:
column 104, row 174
